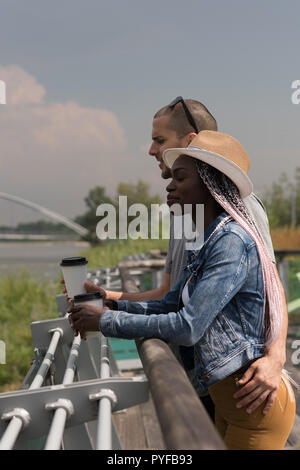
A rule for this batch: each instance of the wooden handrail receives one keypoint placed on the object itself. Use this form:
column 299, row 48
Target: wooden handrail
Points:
column 184, row 421
column 285, row 253
column 145, row 263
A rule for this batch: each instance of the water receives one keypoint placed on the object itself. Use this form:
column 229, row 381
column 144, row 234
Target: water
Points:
column 41, row 259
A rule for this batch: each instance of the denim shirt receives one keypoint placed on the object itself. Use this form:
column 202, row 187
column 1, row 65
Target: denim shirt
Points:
column 223, row 318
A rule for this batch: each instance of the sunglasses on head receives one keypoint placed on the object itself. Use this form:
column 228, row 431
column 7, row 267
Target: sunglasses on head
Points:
column 188, row 114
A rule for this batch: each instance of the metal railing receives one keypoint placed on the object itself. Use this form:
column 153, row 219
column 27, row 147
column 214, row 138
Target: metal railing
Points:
column 69, row 393
column 19, row 418
column 283, row 264
column 282, row 257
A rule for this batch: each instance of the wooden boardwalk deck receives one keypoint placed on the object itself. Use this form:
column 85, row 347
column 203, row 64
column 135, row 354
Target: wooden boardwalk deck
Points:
column 138, row 427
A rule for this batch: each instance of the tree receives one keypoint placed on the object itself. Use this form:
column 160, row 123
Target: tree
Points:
column 282, row 201
column 89, row 220
column 297, row 196
column 137, row 193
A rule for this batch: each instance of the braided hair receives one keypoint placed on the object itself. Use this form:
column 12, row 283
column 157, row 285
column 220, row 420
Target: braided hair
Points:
column 227, row 195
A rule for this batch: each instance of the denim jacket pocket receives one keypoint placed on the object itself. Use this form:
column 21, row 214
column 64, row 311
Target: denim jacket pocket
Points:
column 218, row 340
column 207, row 349
column 227, row 328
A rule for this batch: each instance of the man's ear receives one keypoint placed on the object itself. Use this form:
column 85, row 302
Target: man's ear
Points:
column 189, row 137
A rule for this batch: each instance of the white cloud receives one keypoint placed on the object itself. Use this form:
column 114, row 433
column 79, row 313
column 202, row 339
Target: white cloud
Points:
column 53, row 153
column 21, row 87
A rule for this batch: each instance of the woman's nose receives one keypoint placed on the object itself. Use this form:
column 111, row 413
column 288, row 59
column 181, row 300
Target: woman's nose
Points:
column 170, row 186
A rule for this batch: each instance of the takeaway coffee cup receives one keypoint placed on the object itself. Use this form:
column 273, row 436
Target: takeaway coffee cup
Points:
column 74, row 271
column 93, row 298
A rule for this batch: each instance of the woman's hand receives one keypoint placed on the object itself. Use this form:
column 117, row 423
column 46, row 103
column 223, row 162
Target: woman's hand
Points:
column 85, row 318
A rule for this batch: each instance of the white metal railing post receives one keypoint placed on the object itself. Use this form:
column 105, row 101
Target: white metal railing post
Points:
column 48, row 359
column 63, row 408
column 17, row 416
column 106, row 398
column 13, row 429
column 107, row 278
column 104, row 417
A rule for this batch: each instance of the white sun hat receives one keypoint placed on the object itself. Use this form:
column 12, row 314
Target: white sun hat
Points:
column 221, row 151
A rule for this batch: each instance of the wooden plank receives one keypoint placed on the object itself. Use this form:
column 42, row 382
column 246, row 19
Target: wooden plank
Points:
column 138, row 428
column 130, row 428
column 128, row 283
column 154, row 438
column 129, row 425
column 151, row 263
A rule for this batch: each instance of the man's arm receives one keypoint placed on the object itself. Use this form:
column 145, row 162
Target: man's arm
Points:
column 153, row 294
column 261, row 380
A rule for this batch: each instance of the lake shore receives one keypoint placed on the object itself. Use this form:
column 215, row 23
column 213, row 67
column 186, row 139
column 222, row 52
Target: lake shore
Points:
column 41, row 259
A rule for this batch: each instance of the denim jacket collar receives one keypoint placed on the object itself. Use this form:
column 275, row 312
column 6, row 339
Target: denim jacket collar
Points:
column 193, row 254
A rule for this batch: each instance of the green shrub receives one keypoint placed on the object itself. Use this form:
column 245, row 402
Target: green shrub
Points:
column 23, row 300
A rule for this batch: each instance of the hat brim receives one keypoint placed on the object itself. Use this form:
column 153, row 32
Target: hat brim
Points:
column 230, row 169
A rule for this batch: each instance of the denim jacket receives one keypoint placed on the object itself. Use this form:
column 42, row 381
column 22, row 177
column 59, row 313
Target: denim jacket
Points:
column 223, row 318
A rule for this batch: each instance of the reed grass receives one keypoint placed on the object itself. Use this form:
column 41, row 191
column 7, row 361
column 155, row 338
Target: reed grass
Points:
column 23, row 300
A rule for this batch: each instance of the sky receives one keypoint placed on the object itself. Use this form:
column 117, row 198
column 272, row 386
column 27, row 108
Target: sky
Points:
column 85, row 77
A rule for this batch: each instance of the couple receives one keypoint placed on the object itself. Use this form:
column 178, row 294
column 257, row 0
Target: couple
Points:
column 228, row 302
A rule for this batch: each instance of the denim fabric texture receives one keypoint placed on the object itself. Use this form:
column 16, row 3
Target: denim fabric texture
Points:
column 224, row 316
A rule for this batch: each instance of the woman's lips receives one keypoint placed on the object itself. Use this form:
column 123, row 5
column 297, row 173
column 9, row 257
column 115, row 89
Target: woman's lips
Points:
column 172, row 200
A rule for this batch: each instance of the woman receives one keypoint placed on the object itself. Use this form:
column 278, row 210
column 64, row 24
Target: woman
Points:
column 227, row 303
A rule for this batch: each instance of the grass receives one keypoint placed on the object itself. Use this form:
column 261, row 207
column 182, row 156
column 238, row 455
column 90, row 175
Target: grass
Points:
column 23, row 300
column 294, row 279
column 288, row 238
column 111, row 253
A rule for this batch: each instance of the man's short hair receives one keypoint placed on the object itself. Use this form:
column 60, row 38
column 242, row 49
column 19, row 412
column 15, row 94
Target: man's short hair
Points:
column 179, row 122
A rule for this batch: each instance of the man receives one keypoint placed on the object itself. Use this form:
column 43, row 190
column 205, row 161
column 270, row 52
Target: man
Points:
column 175, row 125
